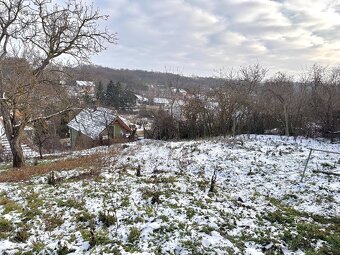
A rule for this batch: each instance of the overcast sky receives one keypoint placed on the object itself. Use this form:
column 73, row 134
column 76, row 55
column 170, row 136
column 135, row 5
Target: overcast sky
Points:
column 201, row 36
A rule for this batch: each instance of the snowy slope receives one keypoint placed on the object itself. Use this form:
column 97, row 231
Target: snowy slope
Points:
column 259, row 205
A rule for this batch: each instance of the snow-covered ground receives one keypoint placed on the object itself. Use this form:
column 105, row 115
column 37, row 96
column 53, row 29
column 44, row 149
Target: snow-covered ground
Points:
column 259, row 205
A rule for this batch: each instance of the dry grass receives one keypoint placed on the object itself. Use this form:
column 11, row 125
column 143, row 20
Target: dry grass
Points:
column 27, row 172
column 93, row 174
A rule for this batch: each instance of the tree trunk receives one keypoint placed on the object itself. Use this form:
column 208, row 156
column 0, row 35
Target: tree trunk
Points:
column 17, row 153
column 13, row 130
column 285, row 112
column 40, row 151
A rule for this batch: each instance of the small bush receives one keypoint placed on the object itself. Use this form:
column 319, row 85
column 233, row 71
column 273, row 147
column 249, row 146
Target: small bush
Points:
column 333, row 244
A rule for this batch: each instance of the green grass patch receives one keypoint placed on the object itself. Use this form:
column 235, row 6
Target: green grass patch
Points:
column 108, row 219
column 21, row 235
column 5, row 225
column 52, row 221
column 84, row 216
column 71, row 202
column 134, row 235
column 30, row 214
column 303, row 230
column 9, row 205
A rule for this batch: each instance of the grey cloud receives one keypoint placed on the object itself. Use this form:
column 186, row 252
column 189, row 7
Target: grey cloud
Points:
column 201, row 36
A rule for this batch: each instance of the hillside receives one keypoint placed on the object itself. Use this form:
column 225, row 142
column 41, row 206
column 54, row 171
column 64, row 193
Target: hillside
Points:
column 139, row 79
column 99, row 205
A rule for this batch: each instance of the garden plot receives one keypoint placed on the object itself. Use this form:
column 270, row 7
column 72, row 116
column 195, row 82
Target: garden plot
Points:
column 259, row 205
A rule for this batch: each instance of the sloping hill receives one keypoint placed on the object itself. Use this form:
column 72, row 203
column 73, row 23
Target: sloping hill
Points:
column 258, row 206
column 138, row 79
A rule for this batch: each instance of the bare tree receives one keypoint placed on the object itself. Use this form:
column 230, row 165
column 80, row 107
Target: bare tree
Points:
column 324, row 84
column 281, row 89
column 34, row 34
column 237, row 97
column 251, row 76
column 195, row 112
column 173, row 82
column 41, row 135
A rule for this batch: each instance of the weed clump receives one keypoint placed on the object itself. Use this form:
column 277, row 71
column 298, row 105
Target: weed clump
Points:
column 84, row 216
column 52, row 221
column 107, row 219
column 133, row 235
column 21, row 235
column 5, row 225
column 51, row 180
column 9, row 205
column 153, row 194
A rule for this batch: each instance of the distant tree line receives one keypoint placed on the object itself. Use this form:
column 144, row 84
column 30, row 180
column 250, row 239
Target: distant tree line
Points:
column 137, row 79
column 115, row 95
column 248, row 102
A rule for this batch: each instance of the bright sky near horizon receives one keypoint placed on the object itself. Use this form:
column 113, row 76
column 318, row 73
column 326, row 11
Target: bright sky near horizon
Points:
column 198, row 37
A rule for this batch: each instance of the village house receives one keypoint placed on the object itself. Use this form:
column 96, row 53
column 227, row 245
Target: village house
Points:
column 85, row 87
column 81, row 88
column 141, row 100
column 161, row 101
column 100, row 126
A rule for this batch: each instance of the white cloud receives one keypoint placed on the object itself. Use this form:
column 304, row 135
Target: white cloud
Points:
column 200, row 36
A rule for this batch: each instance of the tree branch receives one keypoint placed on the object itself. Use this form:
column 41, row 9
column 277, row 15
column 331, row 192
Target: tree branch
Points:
column 67, row 109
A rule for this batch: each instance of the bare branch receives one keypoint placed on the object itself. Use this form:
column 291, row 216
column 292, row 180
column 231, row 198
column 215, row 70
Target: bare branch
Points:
column 67, row 109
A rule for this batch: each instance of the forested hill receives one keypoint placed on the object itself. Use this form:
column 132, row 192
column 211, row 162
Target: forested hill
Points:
column 137, row 79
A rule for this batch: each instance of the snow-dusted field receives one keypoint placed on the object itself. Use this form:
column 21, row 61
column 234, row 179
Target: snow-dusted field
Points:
column 259, row 205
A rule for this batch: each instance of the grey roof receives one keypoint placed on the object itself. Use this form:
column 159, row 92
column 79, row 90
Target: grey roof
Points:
column 161, row 100
column 85, row 83
column 91, row 122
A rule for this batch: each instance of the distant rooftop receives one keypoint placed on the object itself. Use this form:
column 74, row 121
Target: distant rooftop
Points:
column 141, row 98
column 85, row 83
column 91, row 122
column 161, row 100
